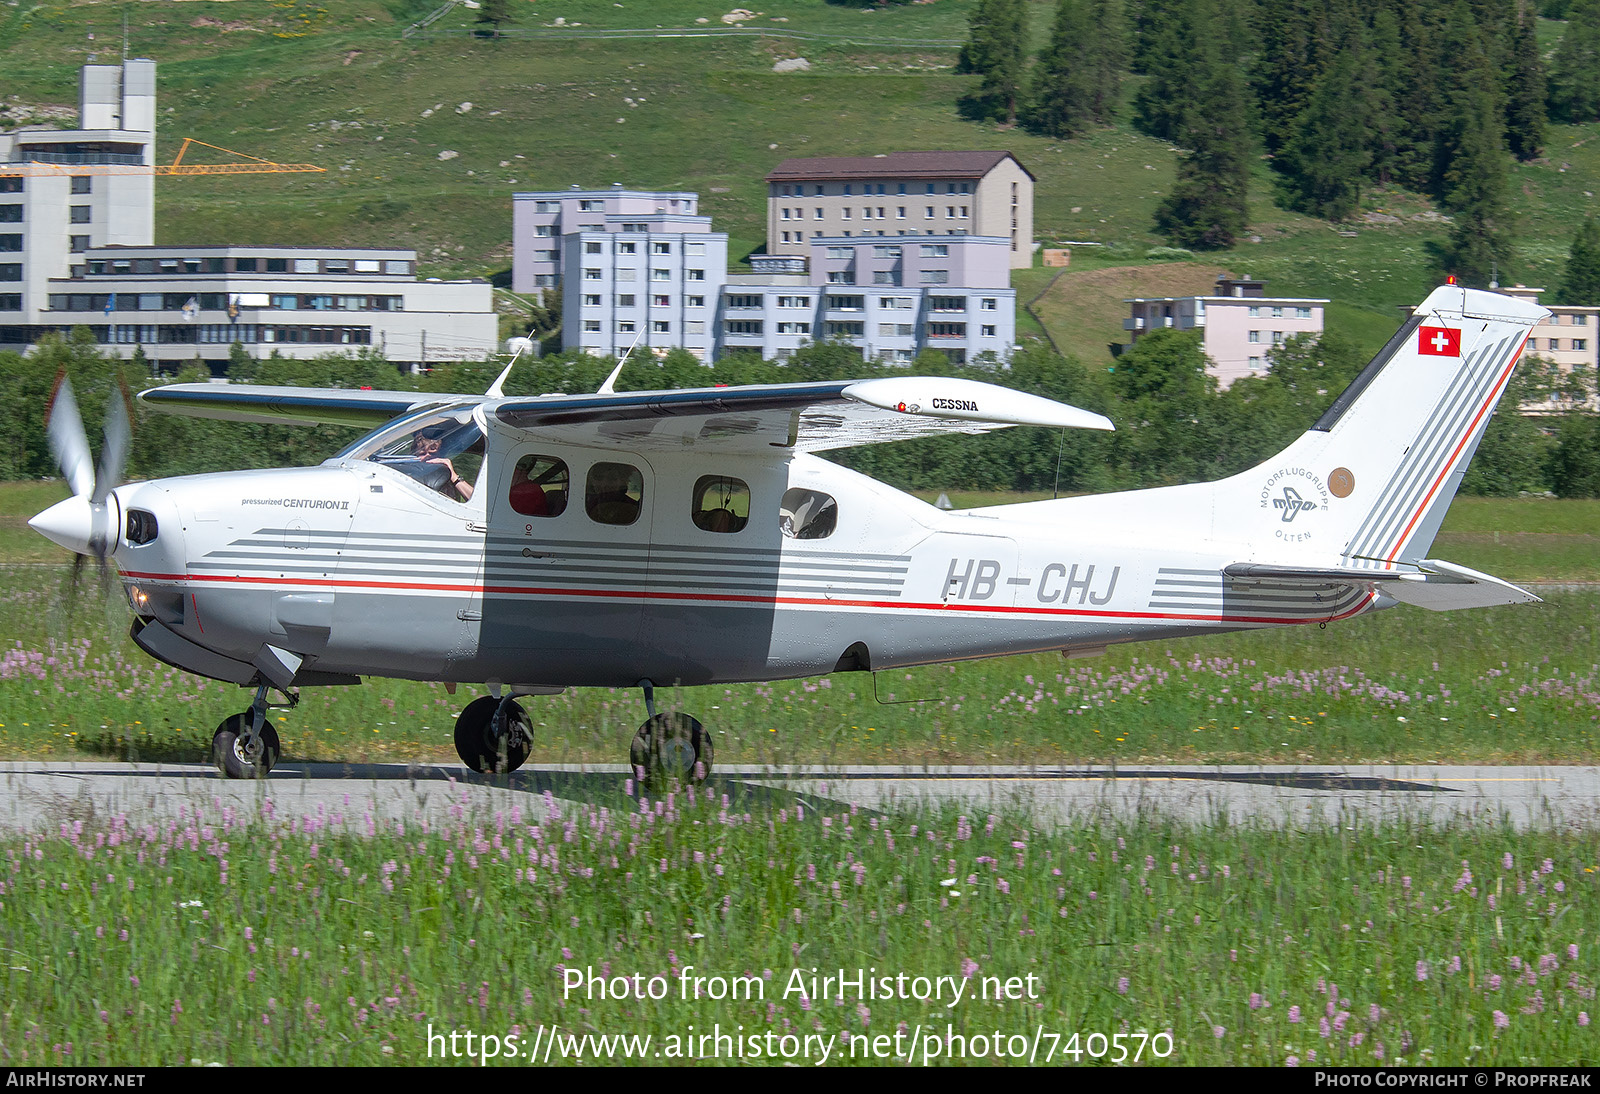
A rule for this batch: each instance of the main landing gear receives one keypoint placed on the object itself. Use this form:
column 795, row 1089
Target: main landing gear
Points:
column 246, row 746
column 674, row 747
column 493, row 735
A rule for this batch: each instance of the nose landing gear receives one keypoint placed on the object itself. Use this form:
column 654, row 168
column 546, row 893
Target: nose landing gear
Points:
column 246, row 746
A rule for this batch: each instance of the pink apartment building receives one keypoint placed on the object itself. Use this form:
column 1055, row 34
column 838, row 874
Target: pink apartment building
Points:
column 1240, row 324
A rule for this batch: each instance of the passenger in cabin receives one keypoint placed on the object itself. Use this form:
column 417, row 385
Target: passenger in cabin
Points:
column 615, row 493
column 526, row 496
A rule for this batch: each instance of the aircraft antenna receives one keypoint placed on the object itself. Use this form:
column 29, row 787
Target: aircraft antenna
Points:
column 518, row 345
column 610, row 386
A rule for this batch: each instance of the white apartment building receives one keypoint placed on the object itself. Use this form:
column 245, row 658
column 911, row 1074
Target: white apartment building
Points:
column 1568, row 338
column 901, row 194
column 1240, row 323
column 77, row 231
column 655, row 284
column 540, row 218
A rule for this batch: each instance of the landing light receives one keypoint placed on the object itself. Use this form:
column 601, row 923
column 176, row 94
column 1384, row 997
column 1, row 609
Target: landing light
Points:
column 138, row 598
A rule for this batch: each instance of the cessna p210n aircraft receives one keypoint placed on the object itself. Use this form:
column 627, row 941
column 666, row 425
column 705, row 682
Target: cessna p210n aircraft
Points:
column 692, row 537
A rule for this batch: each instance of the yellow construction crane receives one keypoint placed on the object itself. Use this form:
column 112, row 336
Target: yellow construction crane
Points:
column 255, row 166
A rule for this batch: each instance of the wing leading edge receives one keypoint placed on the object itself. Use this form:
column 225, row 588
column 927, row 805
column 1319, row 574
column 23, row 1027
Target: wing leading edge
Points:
column 293, row 405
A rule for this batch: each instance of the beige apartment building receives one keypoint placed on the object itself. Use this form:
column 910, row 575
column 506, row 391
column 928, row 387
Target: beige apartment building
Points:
column 1568, row 337
column 901, row 194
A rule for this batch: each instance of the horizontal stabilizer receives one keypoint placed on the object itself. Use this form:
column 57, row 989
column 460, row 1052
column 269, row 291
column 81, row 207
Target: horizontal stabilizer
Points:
column 1445, row 587
column 1432, row 584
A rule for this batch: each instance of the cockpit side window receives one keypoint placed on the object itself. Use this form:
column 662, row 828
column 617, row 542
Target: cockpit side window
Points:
column 807, row 514
column 442, row 450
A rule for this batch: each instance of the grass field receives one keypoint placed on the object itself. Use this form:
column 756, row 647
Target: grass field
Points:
column 220, row 938
column 1514, row 684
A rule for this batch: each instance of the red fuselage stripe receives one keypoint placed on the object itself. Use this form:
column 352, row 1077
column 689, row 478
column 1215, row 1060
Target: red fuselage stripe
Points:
column 645, row 594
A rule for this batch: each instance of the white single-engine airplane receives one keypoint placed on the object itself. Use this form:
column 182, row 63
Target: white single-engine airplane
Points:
column 691, row 537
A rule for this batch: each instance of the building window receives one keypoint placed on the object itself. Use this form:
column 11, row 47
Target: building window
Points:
column 794, row 301
column 889, row 251
column 81, row 184
column 844, row 213
column 845, row 303
column 744, row 300
column 1555, row 343
column 591, row 300
column 785, row 212
column 947, row 330
column 542, row 229
column 625, row 300
column 1579, row 344
column 1253, row 312
column 591, row 247
column 845, row 330
column 660, row 326
column 13, row 243
column 794, row 328
column 1277, row 337
column 895, row 303
column 841, row 277
column 10, row 271
column 590, row 206
column 1255, row 362
column 547, row 207
column 1255, row 336
column 80, row 214
column 659, row 248
column 744, row 326
column 10, row 214
column 626, row 248
column 929, row 214
column 990, row 303
column 1302, row 313
column 885, row 277
column 591, row 326
column 660, row 275
column 591, row 273
column 661, row 300
column 948, row 303
column 10, row 184
column 10, row 301
column 900, row 212
column 694, row 326
column 988, row 330
column 936, row 250
column 1580, row 320
column 1277, row 313
column 626, row 326
column 695, row 275
column 934, row 277
column 841, row 252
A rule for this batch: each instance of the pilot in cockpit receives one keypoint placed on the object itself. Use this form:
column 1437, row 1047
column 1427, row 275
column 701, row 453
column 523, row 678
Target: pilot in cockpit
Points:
column 425, row 445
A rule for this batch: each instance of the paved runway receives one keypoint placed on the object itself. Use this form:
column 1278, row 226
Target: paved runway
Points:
column 40, row 795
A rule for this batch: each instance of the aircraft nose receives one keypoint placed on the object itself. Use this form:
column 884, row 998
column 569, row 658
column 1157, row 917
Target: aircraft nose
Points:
column 69, row 523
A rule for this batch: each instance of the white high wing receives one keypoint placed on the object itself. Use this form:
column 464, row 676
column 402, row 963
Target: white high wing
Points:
column 690, row 537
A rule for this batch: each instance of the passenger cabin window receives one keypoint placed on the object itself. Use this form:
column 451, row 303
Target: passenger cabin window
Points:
column 721, row 504
column 614, row 493
column 539, row 486
column 807, row 514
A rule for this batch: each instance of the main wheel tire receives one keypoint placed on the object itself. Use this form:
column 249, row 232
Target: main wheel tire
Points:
column 231, row 758
column 481, row 748
column 675, row 747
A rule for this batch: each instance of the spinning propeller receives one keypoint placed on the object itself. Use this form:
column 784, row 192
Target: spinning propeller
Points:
column 87, row 523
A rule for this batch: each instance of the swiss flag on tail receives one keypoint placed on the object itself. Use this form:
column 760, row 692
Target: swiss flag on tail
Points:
column 1438, row 342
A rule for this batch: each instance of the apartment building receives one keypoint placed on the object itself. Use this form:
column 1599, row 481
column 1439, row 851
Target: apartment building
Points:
column 1240, row 323
column 655, row 284
column 77, row 231
column 540, row 218
column 1567, row 338
column 65, row 191
column 178, row 304
column 901, row 194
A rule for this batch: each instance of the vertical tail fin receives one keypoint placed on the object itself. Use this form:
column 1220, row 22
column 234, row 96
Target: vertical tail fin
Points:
column 1385, row 461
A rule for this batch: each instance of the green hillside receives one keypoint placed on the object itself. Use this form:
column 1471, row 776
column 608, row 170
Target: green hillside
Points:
column 339, row 86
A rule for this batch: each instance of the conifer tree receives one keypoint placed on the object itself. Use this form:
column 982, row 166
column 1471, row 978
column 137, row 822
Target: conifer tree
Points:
column 1524, row 86
column 1472, row 168
column 1206, row 209
column 1581, row 283
column 1285, row 70
column 1575, row 70
column 996, row 49
column 1324, row 161
column 1174, row 61
column 1075, row 83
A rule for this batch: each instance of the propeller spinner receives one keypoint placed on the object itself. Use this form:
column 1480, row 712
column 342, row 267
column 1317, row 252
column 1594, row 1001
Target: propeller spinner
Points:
column 88, row 522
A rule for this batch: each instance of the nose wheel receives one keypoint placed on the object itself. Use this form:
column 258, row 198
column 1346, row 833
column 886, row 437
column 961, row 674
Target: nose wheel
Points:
column 493, row 735
column 246, row 746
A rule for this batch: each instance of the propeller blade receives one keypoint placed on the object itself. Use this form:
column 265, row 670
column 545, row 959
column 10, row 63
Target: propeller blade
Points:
column 114, row 448
column 64, row 425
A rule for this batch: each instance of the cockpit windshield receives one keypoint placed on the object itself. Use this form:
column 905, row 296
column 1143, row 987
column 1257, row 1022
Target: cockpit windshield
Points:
column 441, row 449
